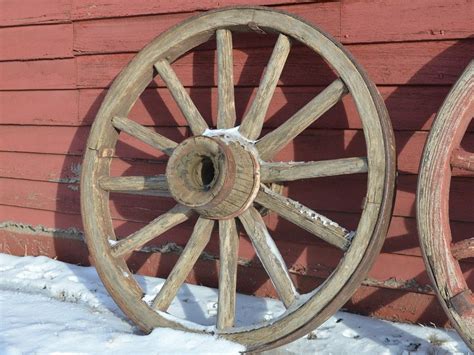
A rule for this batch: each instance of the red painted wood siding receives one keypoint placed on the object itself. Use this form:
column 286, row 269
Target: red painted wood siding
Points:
column 58, row 57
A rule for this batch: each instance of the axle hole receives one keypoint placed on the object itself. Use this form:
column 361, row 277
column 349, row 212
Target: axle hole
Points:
column 207, row 172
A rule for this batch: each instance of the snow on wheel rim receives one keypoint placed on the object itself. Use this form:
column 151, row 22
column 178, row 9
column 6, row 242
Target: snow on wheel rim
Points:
column 304, row 312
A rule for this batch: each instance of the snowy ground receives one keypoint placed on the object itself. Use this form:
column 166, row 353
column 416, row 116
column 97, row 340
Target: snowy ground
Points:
column 47, row 306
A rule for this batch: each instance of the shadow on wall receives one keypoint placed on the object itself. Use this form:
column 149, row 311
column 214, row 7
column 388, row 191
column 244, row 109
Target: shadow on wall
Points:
column 336, row 135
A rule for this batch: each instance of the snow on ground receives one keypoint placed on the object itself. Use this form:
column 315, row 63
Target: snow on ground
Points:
column 47, row 306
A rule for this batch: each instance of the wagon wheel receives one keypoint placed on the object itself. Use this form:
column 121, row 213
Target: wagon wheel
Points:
column 221, row 174
column 442, row 153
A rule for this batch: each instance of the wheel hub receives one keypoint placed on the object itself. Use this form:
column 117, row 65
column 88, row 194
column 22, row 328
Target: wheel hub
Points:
column 217, row 176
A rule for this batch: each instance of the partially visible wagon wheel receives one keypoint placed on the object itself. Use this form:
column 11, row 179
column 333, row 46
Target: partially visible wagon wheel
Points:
column 226, row 174
column 443, row 153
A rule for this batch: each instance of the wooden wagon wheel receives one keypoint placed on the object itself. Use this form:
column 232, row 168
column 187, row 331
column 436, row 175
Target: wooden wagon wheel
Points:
column 220, row 175
column 442, row 153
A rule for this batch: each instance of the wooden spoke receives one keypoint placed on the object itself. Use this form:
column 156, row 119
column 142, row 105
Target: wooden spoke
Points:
column 268, row 253
column 274, row 141
column 182, row 98
column 305, row 218
column 252, row 123
column 290, row 171
column 463, row 249
column 228, row 257
column 462, row 160
column 178, row 214
column 144, row 134
column 196, row 244
column 155, row 185
column 225, row 79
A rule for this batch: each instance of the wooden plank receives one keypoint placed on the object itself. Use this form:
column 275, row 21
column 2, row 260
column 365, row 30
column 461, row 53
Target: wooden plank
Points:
column 315, row 145
column 36, row 42
column 385, row 63
column 410, row 108
column 72, row 141
column 401, row 239
column 51, row 107
column 67, row 168
column 39, row 74
column 405, row 20
column 13, row 12
column 91, row 9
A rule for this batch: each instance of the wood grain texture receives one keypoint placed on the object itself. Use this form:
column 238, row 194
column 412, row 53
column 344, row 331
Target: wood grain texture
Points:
column 153, row 185
column 252, row 122
column 144, row 134
column 269, row 145
column 228, row 261
column 189, row 110
column 161, row 224
column 305, row 218
column 225, row 78
column 196, row 244
column 269, row 255
column 282, row 171
column 36, row 42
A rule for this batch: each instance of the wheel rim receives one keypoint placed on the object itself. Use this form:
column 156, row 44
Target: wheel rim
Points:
column 303, row 313
column 442, row 153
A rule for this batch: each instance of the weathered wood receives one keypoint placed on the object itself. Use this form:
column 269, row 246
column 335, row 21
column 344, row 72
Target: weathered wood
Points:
column 228, row 260
column 305, row 218
column 198, row 241
column 252, row 122
column 144, row 134
column 434, row 199
column 290, row 171
column 155, row 185
column 269, row 255
column 189, row 110
column 225, row 77
column 463, row 249
column 161, row 224
column 127, row 88
column 274, row 141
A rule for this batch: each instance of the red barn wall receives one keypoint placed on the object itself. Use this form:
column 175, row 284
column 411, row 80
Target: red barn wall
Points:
column 58, row 57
